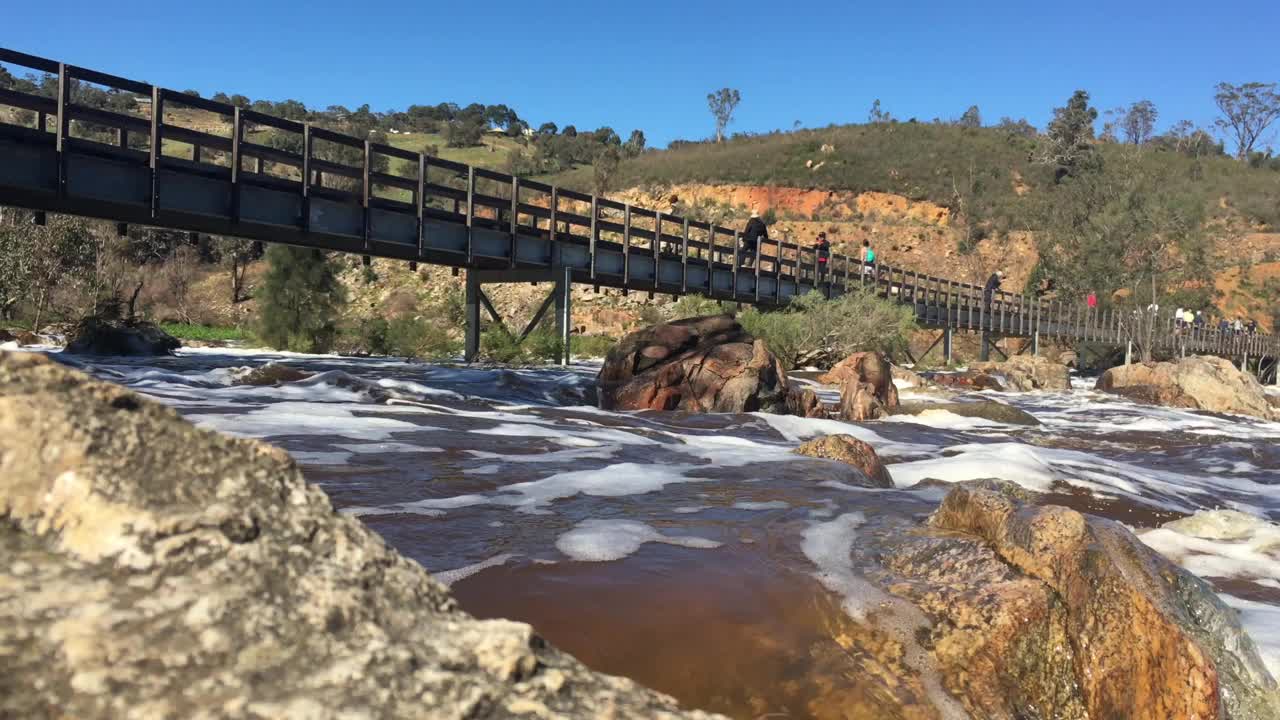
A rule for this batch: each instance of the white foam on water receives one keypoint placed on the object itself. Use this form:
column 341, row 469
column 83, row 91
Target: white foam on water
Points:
column 944, row 419
column 596, row 540
column 386, row 447
column 414, row 388
column 1007, row 461
column 321, row 458
column 1221, row 543
column 449, row 577
column 1262, row 622
column 617, row 480
column 484, row 470
column 564, row 436
column 690, row 509
column 305, row 418
column 554, row 456
column 797, row 429
column 766, row 505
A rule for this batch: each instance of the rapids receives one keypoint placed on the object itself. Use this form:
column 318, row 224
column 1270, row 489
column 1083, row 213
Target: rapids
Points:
column 696, row 553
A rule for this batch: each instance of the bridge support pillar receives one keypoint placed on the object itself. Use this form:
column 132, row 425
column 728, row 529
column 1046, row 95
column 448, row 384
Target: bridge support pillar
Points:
column 471, row 346
column 564, row 311
column 947, row 345
column 1128, row 353
column 1035, row 343
column 984, row 354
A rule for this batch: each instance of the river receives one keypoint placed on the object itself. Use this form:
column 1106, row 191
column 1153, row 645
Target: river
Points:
column 696, row 553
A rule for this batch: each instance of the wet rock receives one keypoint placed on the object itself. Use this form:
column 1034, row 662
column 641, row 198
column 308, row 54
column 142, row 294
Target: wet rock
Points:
column 154, row 569
column 707, row 364
column 985, row 409
column 272, row 374
column 908, row 376
column 967, row 380
column 1025, row 373
column 1082, row 617
column 7, row 336
column 98, row 336
column 805, row 403
column 1199, row 383
column 866, row 386
column 1068, row 358
column 851, row 451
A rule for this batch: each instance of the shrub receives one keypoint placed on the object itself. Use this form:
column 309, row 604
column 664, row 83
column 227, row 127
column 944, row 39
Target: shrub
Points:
column 695, row 305
column 299, row 300
column 590, row 346
column 814, row 329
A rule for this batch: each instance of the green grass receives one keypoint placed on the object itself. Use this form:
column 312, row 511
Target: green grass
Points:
column 189, row 331
column 492, row 154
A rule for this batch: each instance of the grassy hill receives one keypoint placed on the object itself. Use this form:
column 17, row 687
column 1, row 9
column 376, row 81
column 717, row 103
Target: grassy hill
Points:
column 989, row 166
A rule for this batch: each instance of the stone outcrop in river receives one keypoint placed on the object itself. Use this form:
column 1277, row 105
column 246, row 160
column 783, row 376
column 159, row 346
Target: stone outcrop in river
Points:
column 982, row 409
column 1197, row 382
column 706, row 364
column 866, row 385
column 1040, row 611
column 97, row 336
column 850, row 451
column 1024, row 373
column 156, row 570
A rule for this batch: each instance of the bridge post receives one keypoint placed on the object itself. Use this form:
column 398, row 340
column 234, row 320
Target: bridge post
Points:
column 471, row 346
column 947, row 344
column 984, row 354
column 1035, row 342
column 1128, row 353
column 564, row 310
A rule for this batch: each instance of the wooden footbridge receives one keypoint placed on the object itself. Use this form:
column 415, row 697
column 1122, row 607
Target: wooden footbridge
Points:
column 141, row 167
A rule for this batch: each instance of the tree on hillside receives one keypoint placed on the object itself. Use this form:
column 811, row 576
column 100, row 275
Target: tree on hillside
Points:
column 35, row 258
column 1019, row 127
column 1138, row 122
column 299, row 301
column 722, row 103
column 1068, row 141
column 877, row 115
column 604, row 168
column 235, row 255
column 635, row 144
column 972, row 118
column 1247, row 111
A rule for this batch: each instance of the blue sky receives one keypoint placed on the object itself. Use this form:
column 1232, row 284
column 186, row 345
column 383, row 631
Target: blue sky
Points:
column 650, row 65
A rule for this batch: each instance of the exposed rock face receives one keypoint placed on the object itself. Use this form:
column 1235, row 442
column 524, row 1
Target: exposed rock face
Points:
column 707, row 364
column 1146, row 638
column 866, row 386
column 985, row 409
column 908, row 376
column 156, row 570
column 806, row 403
column 1199, row 383
column 1040, row 611
column 1025, row 373
column 851, row 451
column 96, row 336
column 967, row 380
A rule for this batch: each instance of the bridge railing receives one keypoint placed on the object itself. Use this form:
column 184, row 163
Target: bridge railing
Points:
column 375, row 198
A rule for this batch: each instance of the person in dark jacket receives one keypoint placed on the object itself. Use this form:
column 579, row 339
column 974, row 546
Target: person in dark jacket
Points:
column 755, row 233
column 822, row 251
column 993, row 284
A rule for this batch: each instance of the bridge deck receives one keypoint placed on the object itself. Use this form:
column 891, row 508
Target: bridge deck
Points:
column 129, row 168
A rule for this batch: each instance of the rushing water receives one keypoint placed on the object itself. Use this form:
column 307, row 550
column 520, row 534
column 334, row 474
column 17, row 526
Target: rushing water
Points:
column 696, row 553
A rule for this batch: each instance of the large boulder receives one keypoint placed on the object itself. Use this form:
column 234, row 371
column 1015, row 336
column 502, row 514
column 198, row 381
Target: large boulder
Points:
column 1025, row 373
column 1197, row 382
column 706, row 364
column 152, row 569
column 99, row 336
column 1026, row 611
column 850, row 451
column 967, row 380
column 866, row 386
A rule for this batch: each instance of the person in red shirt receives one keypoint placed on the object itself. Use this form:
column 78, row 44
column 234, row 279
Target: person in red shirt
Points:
column 1092, row 300
column 822, row 249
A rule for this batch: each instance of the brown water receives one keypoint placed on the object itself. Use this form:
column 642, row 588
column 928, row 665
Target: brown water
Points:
column 680, row 550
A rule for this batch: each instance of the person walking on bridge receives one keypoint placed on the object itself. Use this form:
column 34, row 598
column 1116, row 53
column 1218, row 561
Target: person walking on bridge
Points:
column 993, row 284
column 755, row 233
column 868, row 259
column 822, row 253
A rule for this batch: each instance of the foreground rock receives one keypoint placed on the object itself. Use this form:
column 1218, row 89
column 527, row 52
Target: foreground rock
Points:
column 707, row 364
column 967, row 380
column 983, row 409
column 850, row 451
column 866, row 385
column 1199, row 383
column 96, row 336
column 1025, row 373
column 272, row 374
column 1028, row 611
column 156, row 570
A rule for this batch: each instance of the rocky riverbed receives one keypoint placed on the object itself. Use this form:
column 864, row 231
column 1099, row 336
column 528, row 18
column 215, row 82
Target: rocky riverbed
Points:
column 701, row 556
